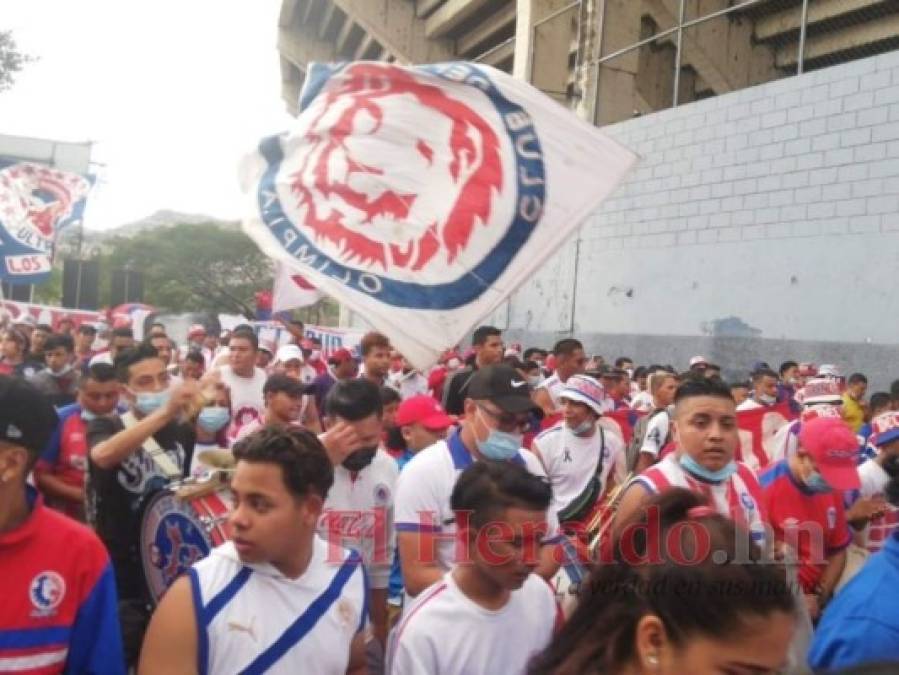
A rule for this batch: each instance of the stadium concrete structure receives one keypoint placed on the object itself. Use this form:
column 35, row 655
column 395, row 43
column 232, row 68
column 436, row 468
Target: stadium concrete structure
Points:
column 763, row 218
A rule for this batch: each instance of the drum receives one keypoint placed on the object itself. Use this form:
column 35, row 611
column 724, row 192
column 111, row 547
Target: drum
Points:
column 181, row 525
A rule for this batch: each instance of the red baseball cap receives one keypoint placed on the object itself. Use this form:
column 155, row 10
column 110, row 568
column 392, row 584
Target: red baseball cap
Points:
column 423, row 410
column 340, row 356
column 834, row 447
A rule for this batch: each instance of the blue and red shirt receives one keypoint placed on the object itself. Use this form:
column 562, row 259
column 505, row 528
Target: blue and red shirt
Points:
column 66, row 456
column 58, row 613
column 813, row 524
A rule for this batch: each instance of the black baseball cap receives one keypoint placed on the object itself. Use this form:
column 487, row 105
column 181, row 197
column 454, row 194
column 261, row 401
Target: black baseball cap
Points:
column 503, row 386
column 26, row 416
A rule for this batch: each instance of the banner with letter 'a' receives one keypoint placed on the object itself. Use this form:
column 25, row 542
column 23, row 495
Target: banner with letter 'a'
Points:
column 421, row 197
column 36, row 203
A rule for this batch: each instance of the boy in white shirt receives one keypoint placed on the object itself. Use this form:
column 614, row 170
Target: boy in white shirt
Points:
column 276, row 598
column 358, row 512
column 489, row 614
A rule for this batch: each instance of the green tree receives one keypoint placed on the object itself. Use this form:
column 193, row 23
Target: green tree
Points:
column 11, row 60
column 193, row 268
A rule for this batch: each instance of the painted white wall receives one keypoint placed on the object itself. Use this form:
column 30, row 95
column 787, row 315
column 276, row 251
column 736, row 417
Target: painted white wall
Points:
column 777, row 205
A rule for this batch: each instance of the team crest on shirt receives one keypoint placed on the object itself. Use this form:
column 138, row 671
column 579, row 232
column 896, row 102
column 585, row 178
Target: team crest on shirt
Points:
column 747, row 501
column 395, row 176
column 345, row 611
column 46, row 591
column 831, row 517
column 381, row 494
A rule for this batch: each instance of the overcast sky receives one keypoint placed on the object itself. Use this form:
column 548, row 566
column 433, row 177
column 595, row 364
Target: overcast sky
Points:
column 173, row 92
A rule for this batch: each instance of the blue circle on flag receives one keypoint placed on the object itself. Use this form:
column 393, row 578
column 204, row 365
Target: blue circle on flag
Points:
column 530, row 184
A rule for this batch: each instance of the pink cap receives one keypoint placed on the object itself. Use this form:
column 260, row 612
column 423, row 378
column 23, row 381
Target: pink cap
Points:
column 424, row 410
column 834, row 448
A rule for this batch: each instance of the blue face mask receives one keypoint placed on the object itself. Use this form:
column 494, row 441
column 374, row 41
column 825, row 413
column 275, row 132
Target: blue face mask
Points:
column 87, row 415
column 148, row 402
column 499, row 445
column 583, row 428
column 816, row 484
column 692, row 466
column 213, row 418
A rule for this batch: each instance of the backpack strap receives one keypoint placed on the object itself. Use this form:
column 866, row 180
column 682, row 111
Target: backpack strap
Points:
column 162, row 461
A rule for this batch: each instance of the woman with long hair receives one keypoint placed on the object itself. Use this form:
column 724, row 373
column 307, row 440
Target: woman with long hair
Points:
column 686, row 592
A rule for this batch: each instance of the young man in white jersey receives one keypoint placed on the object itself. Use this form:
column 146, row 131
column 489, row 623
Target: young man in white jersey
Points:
column 277, row 598
column 570, row 360
column 581, row 459
column 651, row 435
column 244, row 381
column 706, row 434
column 489, row 614
column 358, row 512
column 497, row 408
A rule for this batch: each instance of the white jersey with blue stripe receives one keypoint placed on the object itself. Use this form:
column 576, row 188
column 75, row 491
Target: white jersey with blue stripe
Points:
column 252, row 619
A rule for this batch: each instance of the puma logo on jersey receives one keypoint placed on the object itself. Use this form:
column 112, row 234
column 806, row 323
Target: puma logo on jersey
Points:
column 239, row 628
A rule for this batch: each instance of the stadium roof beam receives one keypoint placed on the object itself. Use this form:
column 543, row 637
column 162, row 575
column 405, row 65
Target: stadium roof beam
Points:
column 394, row 25
column 787, row 21
column 852, row 37
column 307, row 10
column 425, row 7
column 363, row 47
column 470, row 40
column 288, row 13
column 451, row 15
column 325, row 24
column 343, row 35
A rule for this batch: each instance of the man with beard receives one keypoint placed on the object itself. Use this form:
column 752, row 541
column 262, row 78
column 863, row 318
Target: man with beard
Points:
column 358, row 511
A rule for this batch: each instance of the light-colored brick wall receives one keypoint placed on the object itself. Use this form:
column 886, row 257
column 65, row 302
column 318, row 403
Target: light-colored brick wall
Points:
column 770, row 212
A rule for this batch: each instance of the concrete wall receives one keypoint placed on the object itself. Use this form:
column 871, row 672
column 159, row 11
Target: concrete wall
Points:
column 759, row 224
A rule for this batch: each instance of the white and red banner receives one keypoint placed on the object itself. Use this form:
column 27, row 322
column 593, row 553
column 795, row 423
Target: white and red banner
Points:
column 49, row 315
column 291, row 290
column 757, row 431
column 421, row 197
column 331, row 339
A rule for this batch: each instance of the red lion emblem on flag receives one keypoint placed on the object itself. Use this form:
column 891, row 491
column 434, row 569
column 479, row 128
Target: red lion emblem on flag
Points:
column 392, row 170
column 39, row 197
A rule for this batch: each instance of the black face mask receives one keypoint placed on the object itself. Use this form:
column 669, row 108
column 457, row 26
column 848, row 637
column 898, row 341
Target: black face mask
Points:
column 395, row 440
column 360, row 458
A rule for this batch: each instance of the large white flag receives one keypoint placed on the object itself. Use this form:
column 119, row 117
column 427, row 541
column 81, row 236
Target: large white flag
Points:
column 291, row 290
column 421, row 197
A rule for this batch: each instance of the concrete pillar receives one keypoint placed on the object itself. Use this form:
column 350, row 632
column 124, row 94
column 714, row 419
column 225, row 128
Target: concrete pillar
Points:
column 616, row 95
column 541, row 49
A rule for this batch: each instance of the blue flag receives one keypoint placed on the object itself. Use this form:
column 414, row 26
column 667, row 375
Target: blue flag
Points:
column 36, row 203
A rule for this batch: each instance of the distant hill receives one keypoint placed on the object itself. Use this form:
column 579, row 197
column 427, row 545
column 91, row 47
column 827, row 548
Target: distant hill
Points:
column 160, row 219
